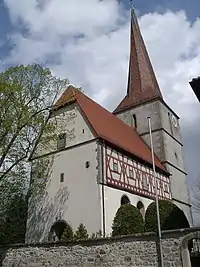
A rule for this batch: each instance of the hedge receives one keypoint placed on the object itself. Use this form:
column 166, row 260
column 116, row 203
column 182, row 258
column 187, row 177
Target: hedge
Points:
column 68, row 234
column 171, row 217
column 128, row 220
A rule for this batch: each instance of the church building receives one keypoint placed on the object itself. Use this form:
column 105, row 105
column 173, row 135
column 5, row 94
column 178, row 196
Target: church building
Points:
column 102, row 160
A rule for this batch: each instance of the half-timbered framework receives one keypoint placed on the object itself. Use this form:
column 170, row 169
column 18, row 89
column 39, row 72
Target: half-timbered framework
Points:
column 130, row 175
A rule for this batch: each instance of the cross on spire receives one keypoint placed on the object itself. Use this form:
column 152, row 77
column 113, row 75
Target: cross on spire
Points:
column 142, row 82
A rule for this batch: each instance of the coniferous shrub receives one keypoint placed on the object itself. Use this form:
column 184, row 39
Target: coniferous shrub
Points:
column 96, row 235
column 128, row 220
column 81, row 233
column 171, row 217
column 68, row 234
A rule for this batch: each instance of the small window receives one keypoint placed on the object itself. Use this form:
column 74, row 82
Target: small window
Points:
column 145, row 182
column 134, row 121
column 115, row 167
column 176, row 157
column 61, row 177
column 170, row 122
column 83, row 130
column 130, row 173
column 61, row 141
column 125, row 200
column 166, row 188
column 87, row 164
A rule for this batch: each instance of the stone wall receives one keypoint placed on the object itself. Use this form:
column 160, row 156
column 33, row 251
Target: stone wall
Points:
column 138, row 250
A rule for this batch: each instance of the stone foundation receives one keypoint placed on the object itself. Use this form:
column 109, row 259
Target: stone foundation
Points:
column 137, row 251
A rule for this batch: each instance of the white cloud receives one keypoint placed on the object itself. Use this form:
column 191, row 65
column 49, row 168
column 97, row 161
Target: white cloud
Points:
column 98, row 60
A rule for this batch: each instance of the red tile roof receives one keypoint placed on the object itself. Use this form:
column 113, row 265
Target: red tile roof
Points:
column 108, row 127
column 142, row 83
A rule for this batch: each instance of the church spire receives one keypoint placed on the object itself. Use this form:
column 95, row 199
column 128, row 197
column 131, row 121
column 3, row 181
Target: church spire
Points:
column 142, row 83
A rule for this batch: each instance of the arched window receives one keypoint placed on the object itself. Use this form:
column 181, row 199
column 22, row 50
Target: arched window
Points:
column 125, row 200
column 140, row 206
column 57, row 230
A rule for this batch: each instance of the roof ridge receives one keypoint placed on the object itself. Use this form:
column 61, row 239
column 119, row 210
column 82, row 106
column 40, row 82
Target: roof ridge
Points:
column 120, row 122
column 110, row 128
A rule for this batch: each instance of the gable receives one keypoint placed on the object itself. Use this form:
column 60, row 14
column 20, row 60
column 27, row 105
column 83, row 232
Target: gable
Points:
column 70, row 121
column 108, row 127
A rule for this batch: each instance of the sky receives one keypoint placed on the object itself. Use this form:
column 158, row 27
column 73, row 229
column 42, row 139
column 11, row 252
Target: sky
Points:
column 88, row 42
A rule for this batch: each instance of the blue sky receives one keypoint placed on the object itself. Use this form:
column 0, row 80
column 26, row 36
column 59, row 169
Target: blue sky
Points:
column 190, row 7
column 5, row 26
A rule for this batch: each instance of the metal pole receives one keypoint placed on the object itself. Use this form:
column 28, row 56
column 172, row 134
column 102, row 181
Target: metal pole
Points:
column 156, row 195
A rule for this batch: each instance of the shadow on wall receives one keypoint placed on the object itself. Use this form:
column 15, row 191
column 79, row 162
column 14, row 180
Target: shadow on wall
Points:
column 43, row 212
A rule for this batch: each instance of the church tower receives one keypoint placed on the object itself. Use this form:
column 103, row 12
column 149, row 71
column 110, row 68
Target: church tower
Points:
column 143, row 99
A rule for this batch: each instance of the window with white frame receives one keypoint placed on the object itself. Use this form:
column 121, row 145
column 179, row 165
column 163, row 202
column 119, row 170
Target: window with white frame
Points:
column 115, row 166
column 166, row 188
column 61, row 142
column 144, row 181
column 131, row 173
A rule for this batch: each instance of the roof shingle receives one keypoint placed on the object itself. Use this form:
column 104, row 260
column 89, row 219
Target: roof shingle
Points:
column 142, row 83
column 108, row 127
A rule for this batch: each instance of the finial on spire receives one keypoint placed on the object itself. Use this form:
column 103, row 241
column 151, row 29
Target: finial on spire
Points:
column 133, row 10
column 132, row 5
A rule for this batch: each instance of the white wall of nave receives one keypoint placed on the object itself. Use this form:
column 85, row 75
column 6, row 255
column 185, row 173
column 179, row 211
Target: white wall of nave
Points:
column 68, row 120
column 75, row 200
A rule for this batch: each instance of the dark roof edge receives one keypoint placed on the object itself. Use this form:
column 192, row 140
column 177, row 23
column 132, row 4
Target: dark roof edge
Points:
column 142, row 103
column 137, row 158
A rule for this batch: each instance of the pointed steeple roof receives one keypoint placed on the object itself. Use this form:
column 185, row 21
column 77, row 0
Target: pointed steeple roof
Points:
column 142, row 83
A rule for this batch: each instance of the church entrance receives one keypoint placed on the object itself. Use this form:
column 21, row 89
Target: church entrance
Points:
column 194, row 249
column 57, row 230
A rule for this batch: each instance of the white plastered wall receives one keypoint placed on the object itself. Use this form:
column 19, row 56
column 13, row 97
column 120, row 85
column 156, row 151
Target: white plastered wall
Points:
column 113, row 202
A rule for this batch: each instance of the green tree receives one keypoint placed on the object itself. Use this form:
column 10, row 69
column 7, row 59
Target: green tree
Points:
column 27, row 94
column 13, row 221
column 81, row 233
column 171, row 217
column 68, row 234
column 128, row 220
